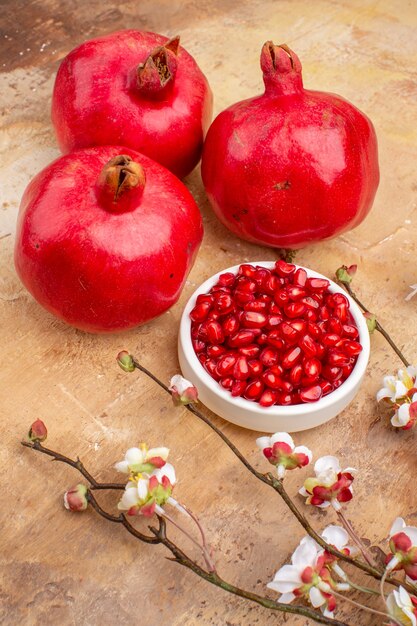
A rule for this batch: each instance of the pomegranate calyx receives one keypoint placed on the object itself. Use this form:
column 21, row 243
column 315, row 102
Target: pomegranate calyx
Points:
column 281, row 69
column 121, row 183
column 157, row 73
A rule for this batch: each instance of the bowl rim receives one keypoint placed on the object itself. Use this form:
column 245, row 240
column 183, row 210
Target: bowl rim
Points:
column 254, row 407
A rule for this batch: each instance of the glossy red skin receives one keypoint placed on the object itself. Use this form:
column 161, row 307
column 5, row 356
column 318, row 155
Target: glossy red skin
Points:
column 94, row 102
column 98, row 270
column 292, row 166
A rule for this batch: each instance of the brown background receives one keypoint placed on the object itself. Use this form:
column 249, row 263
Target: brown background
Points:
column 58, row 568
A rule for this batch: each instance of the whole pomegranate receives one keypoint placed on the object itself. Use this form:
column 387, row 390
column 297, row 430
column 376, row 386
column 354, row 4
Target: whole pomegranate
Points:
column 135, row 89
column 292, row 166
column 106, row 238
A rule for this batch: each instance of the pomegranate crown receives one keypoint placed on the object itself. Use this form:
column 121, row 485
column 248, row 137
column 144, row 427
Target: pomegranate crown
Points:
column 157, row 73
column 281, row 69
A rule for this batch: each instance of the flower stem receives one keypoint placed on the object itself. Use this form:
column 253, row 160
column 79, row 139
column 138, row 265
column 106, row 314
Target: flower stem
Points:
column 278, row 486
column 352, row 533
column 159, row 537
column 362, row 606
column 205, row 553
column 378, row 326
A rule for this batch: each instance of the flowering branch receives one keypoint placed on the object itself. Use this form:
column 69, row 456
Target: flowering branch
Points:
column 269, row 479
column 159, row 536
column 344, row 278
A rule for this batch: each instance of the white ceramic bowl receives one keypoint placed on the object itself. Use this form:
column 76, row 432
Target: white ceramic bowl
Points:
column 251, row 414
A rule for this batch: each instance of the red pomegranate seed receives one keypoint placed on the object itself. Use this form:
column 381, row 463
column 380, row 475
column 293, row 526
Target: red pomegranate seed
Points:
column 251, row 351
column 299, row 325
column 284, row 398
column 200, row 311
column 300, row 277
column 295, row 292
column 311, row 394
column 262, row 339
column 324, row 313
column 352, row 348
column 340, row 298
column 238, row 388
column 255, row 368
column 350, row 331
column 224, row 303
column 211, row 367
column 215, row 351
column 295, row 309
column 347, row 370
column 227, row 279
column 277, row 369
column 260, row 306
column 268, row 398
column 334, row 326
column 252, row 319
column 337, row 359
column 241, row 369
column 269, row 357
column 312, row 368
column 291, row 357
column 246, row 270
column 215, row 332
column 241, row 338
column 331, row 373
column 254, row 390
column 261, row 275
column 227, row 382
column 341, row 312
column 320, row 350
column 202, row 358
column 317, row 284
column 272, row 380
column 326, row 387
column 284, row 269
column 213, row 315
column 274, row 339
column 230, row 324
column 204, row 297
column 288, row 333
column 308, row 345
column 198, row 345
column 311, row 302
column 310, row 315
column 274, row 321
column 246, row 285
column 296, row 374
column 330, row 339
column 281, row 297
column 225, row 365
column 314, row 330
column 271, row 284
column 243, row 297
column 275, row 309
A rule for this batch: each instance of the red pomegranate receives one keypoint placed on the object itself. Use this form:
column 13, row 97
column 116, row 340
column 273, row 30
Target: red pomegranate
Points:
column 292, row 166
column 106, row 238
column 134, row 89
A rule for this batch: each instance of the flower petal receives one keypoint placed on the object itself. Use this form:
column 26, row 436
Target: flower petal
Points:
column 134, row 456
column 304, row 450
column 326, row 463
column 286, row 598
column 316, row 597
column 397, row 526
column 163, row 452
column 122, row 466
column 336, row 536
column 286, row 580
column 142, row 488
column 263, row 442
column 168, row 471
column 305, row 555
column 129, row 499
column 284, row 437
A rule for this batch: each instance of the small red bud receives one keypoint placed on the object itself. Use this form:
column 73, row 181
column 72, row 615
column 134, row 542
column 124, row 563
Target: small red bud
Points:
column 38, row 431
column 75, row 499
column 125, row 361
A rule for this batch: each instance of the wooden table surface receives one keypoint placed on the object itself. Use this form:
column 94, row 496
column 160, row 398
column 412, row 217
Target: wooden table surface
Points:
column 59, row 568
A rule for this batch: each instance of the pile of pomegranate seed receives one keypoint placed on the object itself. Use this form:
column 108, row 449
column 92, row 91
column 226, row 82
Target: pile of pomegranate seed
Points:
column 275, row 336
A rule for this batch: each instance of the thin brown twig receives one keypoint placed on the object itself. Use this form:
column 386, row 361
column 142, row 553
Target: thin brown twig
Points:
column 159, row 537
column 276, row 484
column 378, row 326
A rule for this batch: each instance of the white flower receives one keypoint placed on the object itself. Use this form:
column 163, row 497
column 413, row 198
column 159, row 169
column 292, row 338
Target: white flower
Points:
column 147, row 494
column 402, row 607
column 406, row 414
column 280, row 451
column 396, row 387
column 289, row 577
column 331, row 484
column 182, row 391
column 137, row 459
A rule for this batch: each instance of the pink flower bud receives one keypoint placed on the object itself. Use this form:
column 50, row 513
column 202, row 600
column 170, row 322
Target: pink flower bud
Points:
column 75, row 499
column 38, row 431
column 183, row 391
column 345, row 274
column 125, row 361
